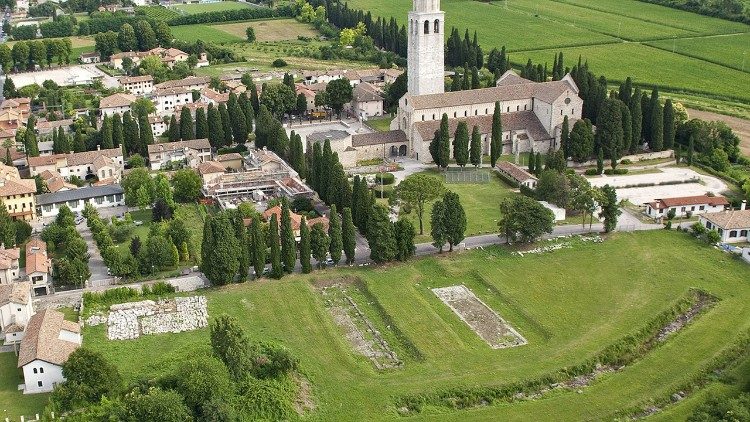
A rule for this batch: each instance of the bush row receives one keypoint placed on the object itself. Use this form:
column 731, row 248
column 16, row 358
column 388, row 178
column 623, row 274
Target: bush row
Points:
column 229, row 15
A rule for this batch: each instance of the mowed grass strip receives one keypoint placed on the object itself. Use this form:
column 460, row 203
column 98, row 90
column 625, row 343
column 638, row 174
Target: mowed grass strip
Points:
column 624, row 27
column 651, row 66
column 728, row 50
column 211, row 7
column 203, row 32
column 662, row 15
column 270, row 30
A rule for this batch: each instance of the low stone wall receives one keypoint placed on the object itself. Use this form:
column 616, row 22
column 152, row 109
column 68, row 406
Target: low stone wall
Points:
column 633, row 158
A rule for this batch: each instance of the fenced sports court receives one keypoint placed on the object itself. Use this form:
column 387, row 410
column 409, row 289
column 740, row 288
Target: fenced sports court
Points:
column 467, row 175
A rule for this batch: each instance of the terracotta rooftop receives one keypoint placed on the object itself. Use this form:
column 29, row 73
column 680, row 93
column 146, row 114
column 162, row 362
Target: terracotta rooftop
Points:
column 42, row 340
column 135, row 79
column 294, row 217
column 36, row 257
column 514, row 171
column 119, row 99
column 15, row 293
column 210, row 167
column 160, row 92
column 189, row 81
column 229, row 157
column 215, row 96
column 74, row 159
column 376, row 138
column 689, row 200
column 731, row 219
column 17, row 187
column 365, row 92
column 47, row 125
column 174, row 146
column 519, row 120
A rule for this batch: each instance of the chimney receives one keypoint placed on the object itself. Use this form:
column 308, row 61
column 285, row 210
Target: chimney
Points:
column 743, row 206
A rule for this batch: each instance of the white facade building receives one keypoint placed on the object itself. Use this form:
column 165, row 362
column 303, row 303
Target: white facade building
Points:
column 167, row 99
column 426, row 49
column 192, row 153
column 105, row 164
column 733, row 225
column 48, row 343
column 137, row 85
column 48, row 204
column 695, row 205
column 15, row 311
column 38, row 265
column 117, row 103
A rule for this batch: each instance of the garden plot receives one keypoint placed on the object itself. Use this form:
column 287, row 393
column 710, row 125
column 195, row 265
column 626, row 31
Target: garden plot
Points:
column 129, row 320
column 476, row 314
column 358, row 329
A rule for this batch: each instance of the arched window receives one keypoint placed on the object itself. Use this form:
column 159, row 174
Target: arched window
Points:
column 436, row 28
column 41, row 370
column 423, row 117
column 426, row 27
column 476, row 112
column 454, row 114
column 35, row 370
column 466, row 113
column 433, row 116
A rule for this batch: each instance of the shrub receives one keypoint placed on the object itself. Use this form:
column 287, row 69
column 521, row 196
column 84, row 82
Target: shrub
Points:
column 279, row 63
column 698, row 229
column 626, row 162
column 591, row 172
column 610, row 172
column 385, row 178
column 383, row 191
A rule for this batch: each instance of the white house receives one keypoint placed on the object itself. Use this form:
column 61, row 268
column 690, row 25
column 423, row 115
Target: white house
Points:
column 167, row 99
column 367, row 101
column 117, row 103
column 38, row 265
column 88, row 58
column 516, row 174
column 48, row 204
column 15, row 311
column 105, row 164
column 695, row 205
column 9, row 264
column 733, row 225
column 192, row 153
column 48, row 343
column 137, row 85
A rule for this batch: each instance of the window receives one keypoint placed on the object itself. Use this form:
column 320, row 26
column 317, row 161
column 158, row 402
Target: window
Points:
column 466, row 113
column 475, row 112
column 433, row 116
column 524, row 106
column 561, row 112
column 426, row 27
column 99, row 200
column 518, row 108
column 436, row 28
column 454, row 114
column 35, row 371
column 733, row 233
column 41, row 370
column 423, row 117
column 682, row 209
column 73, row 203
column 39, row 383
column 743, row 233
column 703, row 207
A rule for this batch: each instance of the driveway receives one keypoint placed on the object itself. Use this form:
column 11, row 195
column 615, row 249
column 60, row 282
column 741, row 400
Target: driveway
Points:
column 97, row 267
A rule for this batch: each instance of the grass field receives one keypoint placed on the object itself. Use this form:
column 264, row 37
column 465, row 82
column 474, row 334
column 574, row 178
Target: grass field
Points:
column 728, row 50
column 206, row 33
column 380, row 124
column 566, row 304
column 14, row 404
column 270, row 30
column 210, row 7
column 160, row 13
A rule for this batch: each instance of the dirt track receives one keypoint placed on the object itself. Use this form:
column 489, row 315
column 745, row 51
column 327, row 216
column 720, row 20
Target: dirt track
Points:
column 740, row 126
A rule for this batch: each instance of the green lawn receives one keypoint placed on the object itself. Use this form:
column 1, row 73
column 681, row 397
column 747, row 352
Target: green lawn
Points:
column 567, row 304
column 480, row 201
column 13, row 403
column 380, row 124
column 158, row 12
column 210, row 7
column 206, row 33
column 727, row 50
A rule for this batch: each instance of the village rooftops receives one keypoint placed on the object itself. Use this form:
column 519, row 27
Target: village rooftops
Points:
column 9, row 187
column 45, row 341
column 89, row 55
column 46, row 125
column 9, row 257
column 119, row 99
column 377, row 138
column 229, row 157
column 215, row 96
column 189, row 81
column 36, row 257
column 547, row 92
column 689, row 200
column 196, row 144
column 74, row 159
column 160, row 92
column 210, row 167
column 730, row 219
column 14, row 293
column 365, row 92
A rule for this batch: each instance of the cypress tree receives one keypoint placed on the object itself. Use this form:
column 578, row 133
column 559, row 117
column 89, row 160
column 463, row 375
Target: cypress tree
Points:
column 538, row 165
column 380, row 235
column 55, row 143
column 276, row 270
column 364, row 206
column 30, row 143
column 249, row 116
column 304, row 246
column 532, row 163
column 130, row 133
column 64, row 140
column 636, row 118
column 335, row 235
column 356, row 198
column 405, row 234
column 78, row 144
column 243, row 254
column 348, row 236
column 475, row 83
column 475, row 151
column 297, row 156
column 496, row 139
column 669, row 124
column 317, row 167
column 106, row 133
column 465, row 81
column 215, row 128
column 254, row 100
column 326, row 170
column 174, row 129
column 258, row 242
column 226, row 124
column 187, row 128
column 444, row 144
column 146, row 135
column 237, row 119
column 117, row 135
column 437, row 229
column 657, row 122
column 456, row 82
column 461, row 144
column 565, row 137
column 319, row 243
column 599, row 160
column 691, row 149
column 201, row 124
column 288, row 245
column 646, row 118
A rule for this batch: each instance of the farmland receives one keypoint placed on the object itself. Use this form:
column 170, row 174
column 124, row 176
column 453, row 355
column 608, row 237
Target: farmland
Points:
column 158, row 12
column 206, row 33
column 608, row 33
column 265, row 31
column 568, row 313
column 210, row 7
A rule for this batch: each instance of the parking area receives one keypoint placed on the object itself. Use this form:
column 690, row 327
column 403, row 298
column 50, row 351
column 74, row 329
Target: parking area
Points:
column 669, row 182
column 65, row 76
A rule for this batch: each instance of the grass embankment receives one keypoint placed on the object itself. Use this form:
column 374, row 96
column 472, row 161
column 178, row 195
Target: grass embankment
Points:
column 570, row 304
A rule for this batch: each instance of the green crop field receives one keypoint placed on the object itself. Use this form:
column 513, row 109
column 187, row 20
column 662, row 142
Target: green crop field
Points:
column 158, row 12
column 204, row 32
column 567, row 304
column 210, row 7
column 728, row 50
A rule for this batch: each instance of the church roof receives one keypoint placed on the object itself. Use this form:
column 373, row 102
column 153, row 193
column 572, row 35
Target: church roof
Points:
column 544, row 91
column 511, row 78
column 521, row 120
column 377, row 138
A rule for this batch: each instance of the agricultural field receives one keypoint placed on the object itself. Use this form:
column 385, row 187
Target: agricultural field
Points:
column 270, row 30
column 727, row 50
column 159, row 13
column 567, row 313
column 210, row 7
column 204, row 32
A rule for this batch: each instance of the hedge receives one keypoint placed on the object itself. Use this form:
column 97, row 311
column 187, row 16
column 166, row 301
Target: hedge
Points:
column 229, row 15
column 385, row 178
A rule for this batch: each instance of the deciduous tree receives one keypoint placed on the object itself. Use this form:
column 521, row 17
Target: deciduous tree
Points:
column 417, row 190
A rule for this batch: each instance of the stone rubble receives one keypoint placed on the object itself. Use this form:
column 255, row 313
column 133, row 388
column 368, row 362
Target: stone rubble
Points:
column 129, row 320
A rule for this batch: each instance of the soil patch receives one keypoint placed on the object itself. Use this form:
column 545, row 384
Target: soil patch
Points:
column 303, row 402
column 488, row 325
column 741, row 127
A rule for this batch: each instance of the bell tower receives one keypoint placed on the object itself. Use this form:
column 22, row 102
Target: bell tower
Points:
column 425, row 56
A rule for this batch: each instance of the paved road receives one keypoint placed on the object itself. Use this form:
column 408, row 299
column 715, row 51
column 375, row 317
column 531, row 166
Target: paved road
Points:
column 96, row 263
